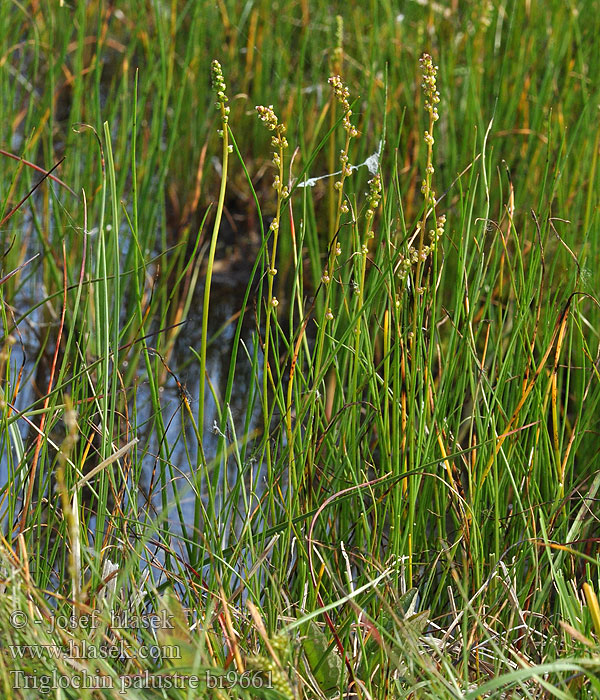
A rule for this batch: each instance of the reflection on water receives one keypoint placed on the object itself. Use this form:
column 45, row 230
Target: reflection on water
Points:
column 181, row 441
column 179, row 446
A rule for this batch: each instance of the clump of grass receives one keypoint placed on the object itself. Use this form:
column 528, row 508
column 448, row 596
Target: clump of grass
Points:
column 402, row 506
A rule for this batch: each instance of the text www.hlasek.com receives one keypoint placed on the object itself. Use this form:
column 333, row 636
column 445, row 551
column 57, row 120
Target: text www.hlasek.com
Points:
column 84, row 650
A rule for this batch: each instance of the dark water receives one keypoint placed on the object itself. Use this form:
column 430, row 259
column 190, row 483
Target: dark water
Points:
column 180, row 445
column 226, row 301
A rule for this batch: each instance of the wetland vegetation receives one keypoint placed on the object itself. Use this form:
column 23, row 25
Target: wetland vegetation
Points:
column 299, row 354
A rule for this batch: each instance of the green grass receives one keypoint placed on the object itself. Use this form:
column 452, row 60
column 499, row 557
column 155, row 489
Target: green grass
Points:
column 373, row 470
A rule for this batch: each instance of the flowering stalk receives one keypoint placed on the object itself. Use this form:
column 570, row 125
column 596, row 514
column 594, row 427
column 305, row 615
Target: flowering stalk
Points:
column 336, row 62
column 279, row 143
column 419, row 256
column 374, row 197
column 218, row 83
column 432, row 98
column 341, row 93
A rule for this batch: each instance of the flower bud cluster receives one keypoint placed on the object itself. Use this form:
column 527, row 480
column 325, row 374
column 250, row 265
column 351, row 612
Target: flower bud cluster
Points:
column 269, row 119
column 218, row 85
column 374, row 196
column 432, row 96
column 342, row 93
column 278, row 142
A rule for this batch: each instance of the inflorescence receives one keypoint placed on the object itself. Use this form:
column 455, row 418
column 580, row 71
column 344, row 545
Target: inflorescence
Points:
column 219, row 86
column 342, row 94
column 419, row 255
column 278, row 142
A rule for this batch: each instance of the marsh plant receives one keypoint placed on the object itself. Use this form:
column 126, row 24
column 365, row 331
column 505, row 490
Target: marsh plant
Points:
column 401, row 504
